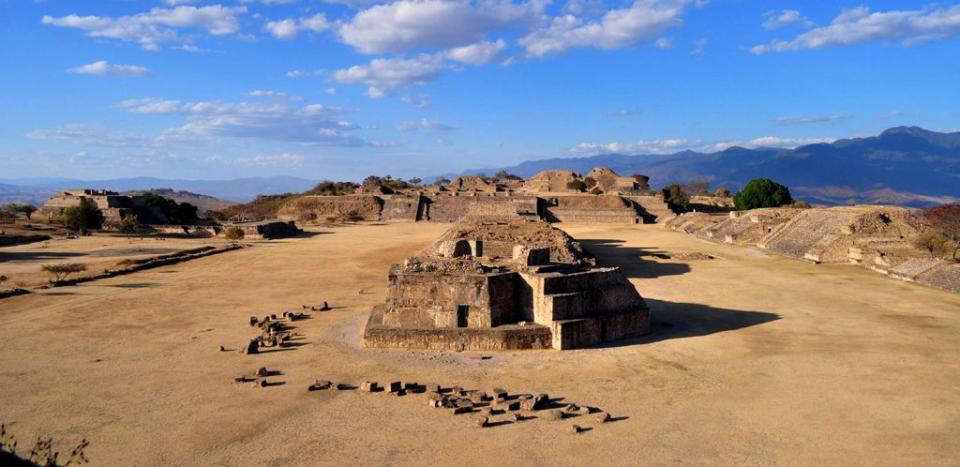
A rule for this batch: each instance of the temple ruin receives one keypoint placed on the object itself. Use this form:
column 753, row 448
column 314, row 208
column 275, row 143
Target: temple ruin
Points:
column 498, row 284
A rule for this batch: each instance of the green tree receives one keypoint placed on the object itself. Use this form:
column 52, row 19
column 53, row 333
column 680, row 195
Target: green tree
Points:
column 82, row 217
column 676, row 198
column 27, row 210
column 945, row 220
column 762, row 193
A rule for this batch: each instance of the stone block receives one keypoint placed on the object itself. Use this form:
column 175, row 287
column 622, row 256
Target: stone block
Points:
column 396, row 386
column 552, row 415
column 499, row 394
column 462, row 410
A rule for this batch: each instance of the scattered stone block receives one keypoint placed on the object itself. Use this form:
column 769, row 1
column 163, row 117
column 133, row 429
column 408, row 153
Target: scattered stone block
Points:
column 516, row 416
column 242, row 379
column 499, row 394
column 465, row 403
column 411, row 386
column 262, row 383
column 460, row 410
column 400, row 392
column 434, row 388
column 221, row 349
column 252, row 347
column 369, row 386
column 483, row 422
column 319, row 385
column 508, row 405
column 488, row 411
column 478, row 397
column 603, row 417
column 254, row 321
column 396, row 386
column 262, row 371
column 345, row 387
column 571, row 409
column 576, row 429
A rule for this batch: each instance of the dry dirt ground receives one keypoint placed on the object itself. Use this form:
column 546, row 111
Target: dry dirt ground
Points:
column 22, row 263
column 754, row 359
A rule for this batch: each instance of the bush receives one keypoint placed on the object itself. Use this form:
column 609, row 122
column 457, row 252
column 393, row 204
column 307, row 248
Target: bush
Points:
column 82, row 217
column 935, row 243
column 697, row 188
column 722, row 193
column 945, row 221
column 762, row 193
column 676, row 198
column 799, row 204
column 353, row 216
column 234, row 233
column 62, row 271
column 576, row 185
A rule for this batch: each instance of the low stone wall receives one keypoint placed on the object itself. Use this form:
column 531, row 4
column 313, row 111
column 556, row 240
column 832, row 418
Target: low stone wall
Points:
column 456, row 339
column 593, row 216
column 448, row 208
column 399, row 207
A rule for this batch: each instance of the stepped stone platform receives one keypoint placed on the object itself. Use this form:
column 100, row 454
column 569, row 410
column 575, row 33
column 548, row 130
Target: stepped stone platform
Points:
column 505, row 285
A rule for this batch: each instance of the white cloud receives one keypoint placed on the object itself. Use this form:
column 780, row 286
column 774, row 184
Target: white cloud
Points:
column 858, row 25
column 295, row 74
column 425, row 124
column 663, row 43
column 179, row 2
column 313, row 123
column 615, row 29
column 383, row 75
column 776, row 20
column 477, row 53
column 88, row 135
column 417, row 102
column 283, row 159
column 699, row 46
column 670, row 146
column 290, row 27
column 804, row 119
column 273, row 94
column 408, row 25
column 103, row 68
column 156, row 26
column 330, row 91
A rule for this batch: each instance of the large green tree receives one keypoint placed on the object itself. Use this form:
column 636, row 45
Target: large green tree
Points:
column 676, row 198
column 83, row 217
column 762, row 193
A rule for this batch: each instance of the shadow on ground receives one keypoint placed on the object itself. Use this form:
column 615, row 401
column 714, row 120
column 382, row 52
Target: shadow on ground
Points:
column 37, row 255
column 675, row 320
column 631, row 260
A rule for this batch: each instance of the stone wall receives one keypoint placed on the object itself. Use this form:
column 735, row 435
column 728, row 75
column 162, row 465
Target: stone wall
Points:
column 401, row 207
column 319, row 208
column 432, row 300
column 455, row 339
column 452, row 208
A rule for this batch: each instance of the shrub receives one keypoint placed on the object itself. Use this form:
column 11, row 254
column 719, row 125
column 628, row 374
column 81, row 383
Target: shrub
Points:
column 697, row 188
column 800, row 204
column 504, row 175
column 82, row 217
column 935, row 243
column 3, row 278
column 762, row 193
column 353, row 216
column 676, row 198
column 576, row 185
column 234, row 233
column 62, row 271
column 722, row 192
column 944, row 220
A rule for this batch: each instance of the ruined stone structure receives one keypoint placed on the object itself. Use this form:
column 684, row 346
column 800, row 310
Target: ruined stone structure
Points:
column 546, row 196
column 114, row 206
column 487, row 285
column 266, row 229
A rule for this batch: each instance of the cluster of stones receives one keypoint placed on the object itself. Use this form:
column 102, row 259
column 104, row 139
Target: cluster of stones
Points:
column 497, row 402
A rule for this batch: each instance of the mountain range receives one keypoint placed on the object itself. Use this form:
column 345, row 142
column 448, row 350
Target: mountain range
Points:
column 904, row 165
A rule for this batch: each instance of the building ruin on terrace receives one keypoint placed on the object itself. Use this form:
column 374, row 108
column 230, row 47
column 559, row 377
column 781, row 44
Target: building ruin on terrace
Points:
column 505, row 284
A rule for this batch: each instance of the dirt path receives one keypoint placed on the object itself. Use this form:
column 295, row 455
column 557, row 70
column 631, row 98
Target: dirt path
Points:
column 754, row 360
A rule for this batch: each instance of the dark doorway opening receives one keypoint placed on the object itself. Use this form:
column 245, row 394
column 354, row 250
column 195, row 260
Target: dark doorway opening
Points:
column 463, row 312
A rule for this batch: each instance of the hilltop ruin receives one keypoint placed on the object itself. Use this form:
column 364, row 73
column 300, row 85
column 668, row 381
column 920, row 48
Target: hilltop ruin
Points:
column 500, row 285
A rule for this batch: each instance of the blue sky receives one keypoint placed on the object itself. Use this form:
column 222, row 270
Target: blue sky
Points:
column 341, row 89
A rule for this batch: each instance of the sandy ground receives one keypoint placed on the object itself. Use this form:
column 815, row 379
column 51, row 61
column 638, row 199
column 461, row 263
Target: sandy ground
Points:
column 753, row 360
column 22, row 263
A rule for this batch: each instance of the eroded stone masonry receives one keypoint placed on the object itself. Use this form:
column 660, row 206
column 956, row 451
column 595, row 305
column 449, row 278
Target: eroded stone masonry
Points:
column 504, row 284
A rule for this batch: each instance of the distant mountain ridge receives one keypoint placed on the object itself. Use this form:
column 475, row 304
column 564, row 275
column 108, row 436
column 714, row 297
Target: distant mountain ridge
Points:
column 903, row 165
column 37, row 189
